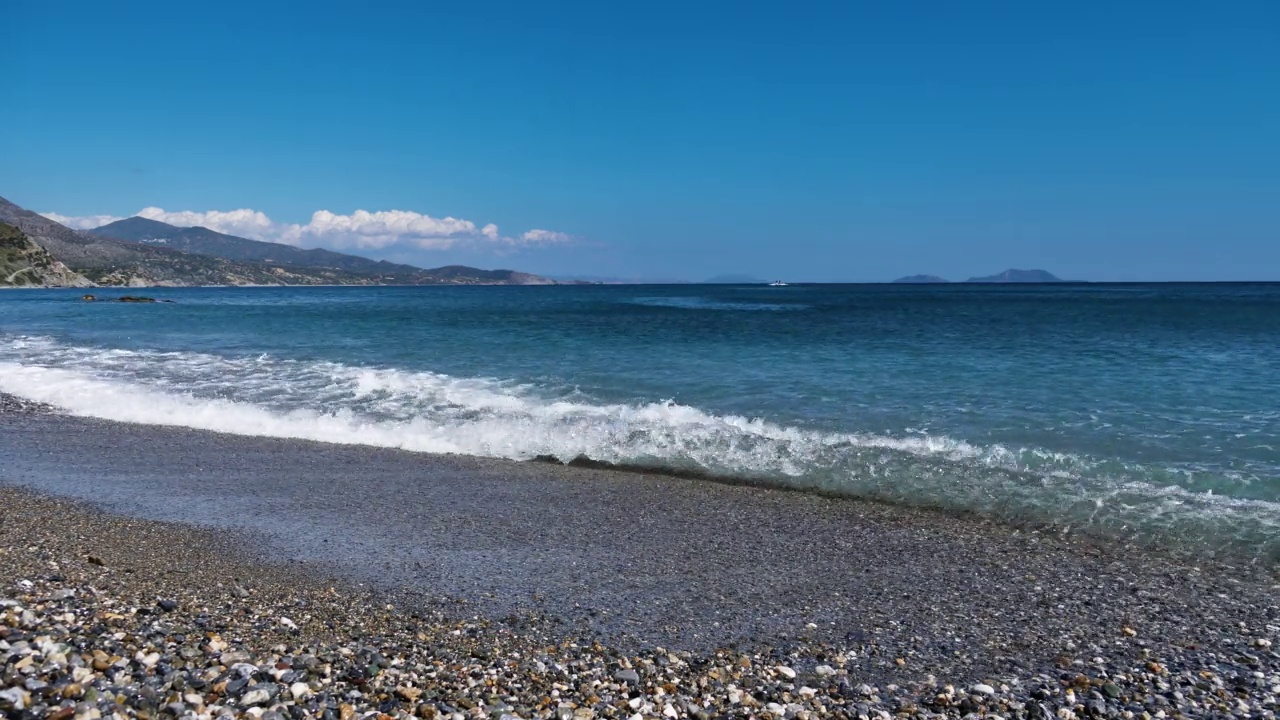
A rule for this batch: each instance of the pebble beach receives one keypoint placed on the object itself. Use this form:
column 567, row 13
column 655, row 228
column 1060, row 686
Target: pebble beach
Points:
column 831, row 608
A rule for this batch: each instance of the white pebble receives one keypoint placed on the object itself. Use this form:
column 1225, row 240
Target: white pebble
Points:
column 984, row 689
column 786, row 672
column 255, row 697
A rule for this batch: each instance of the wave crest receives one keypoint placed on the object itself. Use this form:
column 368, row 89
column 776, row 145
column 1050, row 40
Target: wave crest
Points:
column 431, row 412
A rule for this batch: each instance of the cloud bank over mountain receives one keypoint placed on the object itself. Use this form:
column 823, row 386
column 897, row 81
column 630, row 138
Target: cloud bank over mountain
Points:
column 361, row 229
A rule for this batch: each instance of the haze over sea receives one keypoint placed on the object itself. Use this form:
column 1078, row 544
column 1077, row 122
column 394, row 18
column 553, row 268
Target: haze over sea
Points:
column 1148, row 410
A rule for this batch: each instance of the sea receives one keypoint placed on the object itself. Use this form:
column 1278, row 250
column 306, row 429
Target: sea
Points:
column 1148, row 412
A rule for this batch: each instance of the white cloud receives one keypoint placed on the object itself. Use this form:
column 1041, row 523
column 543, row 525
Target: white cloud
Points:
column 376, row 230
column 244, row 223
column 87, row 222
column 544, row 237
column 361, row 229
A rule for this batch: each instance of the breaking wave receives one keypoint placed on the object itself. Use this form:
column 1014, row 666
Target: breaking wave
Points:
column 436, row 413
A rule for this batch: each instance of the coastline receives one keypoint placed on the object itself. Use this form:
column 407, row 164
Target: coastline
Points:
column 631, row 562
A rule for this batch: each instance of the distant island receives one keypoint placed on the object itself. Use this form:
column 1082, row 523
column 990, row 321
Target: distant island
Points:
column 920, row 280
column 136, row 252
column 1008, row 276
column 1018, row 276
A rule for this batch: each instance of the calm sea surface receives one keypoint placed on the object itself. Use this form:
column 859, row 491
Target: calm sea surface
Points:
column 1147, row 409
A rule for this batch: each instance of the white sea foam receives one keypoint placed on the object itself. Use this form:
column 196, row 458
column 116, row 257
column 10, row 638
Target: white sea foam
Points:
column 431, row 412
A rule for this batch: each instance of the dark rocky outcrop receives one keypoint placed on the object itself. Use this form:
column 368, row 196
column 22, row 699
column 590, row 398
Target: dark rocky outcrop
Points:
column 24, row 263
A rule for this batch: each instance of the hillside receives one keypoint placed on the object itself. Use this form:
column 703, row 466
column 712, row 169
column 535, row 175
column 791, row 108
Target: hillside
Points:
column 1018, row 276
column 114, row 261
column 23, row 263
column 107, row 261
column 338, row 268
column 203, row 241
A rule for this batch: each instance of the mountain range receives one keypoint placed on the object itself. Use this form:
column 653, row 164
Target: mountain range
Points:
column 137, row 252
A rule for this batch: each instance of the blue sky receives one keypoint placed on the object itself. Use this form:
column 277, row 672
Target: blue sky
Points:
column 806, row 141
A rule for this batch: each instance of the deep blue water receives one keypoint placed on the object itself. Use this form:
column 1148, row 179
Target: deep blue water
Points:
column 1135, row 408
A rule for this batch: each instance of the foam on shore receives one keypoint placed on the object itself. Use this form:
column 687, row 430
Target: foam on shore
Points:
column 436, row 413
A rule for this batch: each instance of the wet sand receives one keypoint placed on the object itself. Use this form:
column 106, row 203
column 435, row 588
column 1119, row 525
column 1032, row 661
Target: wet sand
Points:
column 641, row 560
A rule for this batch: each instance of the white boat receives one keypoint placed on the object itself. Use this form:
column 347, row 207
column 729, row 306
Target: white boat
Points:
column 777, row 283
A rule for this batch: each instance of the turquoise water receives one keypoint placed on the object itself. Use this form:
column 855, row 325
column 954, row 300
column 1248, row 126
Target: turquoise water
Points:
column 1147, row 409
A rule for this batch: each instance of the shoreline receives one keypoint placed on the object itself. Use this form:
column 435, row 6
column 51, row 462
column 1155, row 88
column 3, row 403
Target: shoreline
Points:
column 634, row 562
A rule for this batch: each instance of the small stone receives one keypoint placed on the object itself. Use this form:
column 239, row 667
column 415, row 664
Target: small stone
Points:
column 1262, row 643
column 984, row 689
column 301, row 691
column 1111, row 690
column 14, row 697
column 167, row 605
column 409, row 693
column 628, row 676
column 824, row 671
column 255, row 696
column 785, row 672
